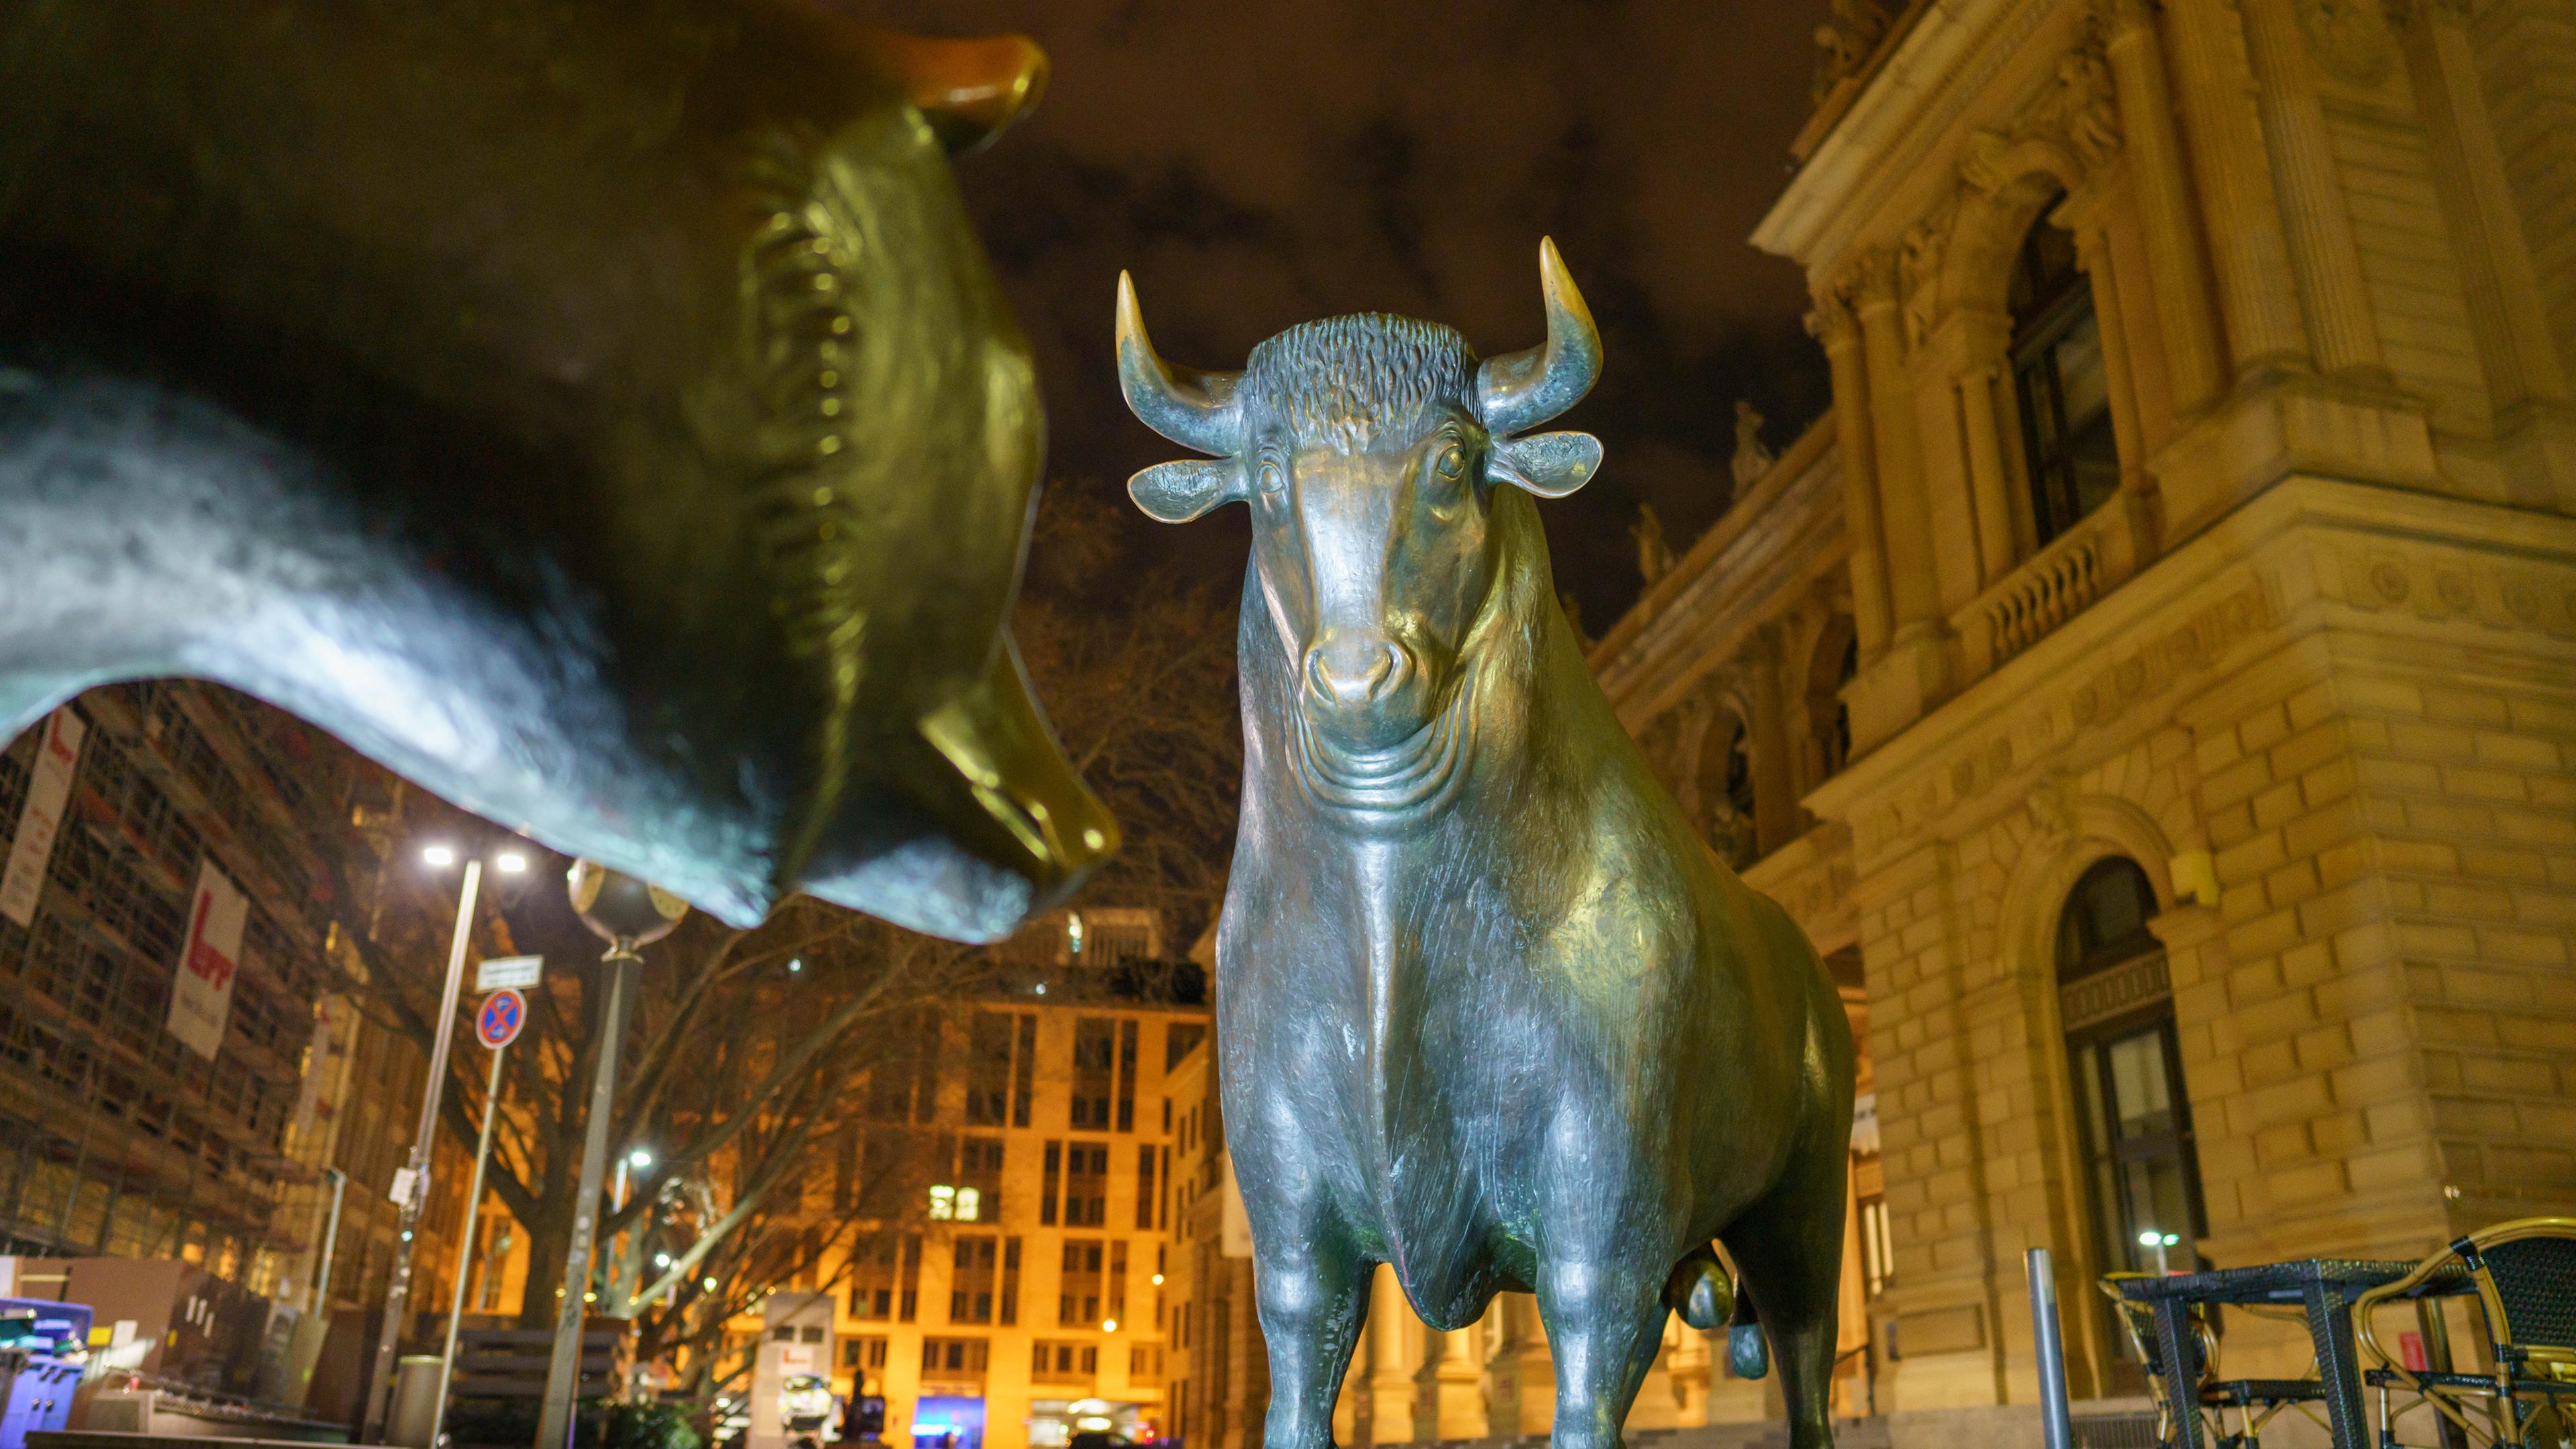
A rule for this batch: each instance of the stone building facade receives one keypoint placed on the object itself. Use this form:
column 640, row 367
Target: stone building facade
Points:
column 2158, row 671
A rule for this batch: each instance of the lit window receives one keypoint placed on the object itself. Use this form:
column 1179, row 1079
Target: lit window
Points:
column 943, row 1204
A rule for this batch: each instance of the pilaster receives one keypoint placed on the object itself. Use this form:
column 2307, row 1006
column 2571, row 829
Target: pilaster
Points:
column 2526, row 378
column 1775, row 795
column 2325, row 260
column 1833, row 325
column 2136, row 54
column 1912, row 673
column 2249, row 253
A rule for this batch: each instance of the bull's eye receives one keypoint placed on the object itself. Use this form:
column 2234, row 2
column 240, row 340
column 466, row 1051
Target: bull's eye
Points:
column 1453, row 461
column 1271, row 477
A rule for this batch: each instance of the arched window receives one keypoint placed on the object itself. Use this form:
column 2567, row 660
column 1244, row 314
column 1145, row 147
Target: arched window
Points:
column 2126, row 1067
column 1844, row 673
column 2058, row 378
column 1726, row 788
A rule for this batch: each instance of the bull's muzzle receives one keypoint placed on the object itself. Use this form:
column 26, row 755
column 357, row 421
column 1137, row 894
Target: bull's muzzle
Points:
column 1365, row 687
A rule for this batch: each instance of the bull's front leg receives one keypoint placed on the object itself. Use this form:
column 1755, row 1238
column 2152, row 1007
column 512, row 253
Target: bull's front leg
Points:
column 1313, row 1290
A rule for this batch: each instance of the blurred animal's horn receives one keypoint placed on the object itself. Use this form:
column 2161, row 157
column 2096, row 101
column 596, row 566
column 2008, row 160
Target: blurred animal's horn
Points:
column 969, row 90
column 1520, row 390
column 1192, row 408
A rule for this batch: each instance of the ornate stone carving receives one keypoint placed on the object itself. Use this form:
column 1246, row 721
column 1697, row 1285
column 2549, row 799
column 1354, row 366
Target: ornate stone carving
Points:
column 1918, row 269
column 1845, row 41
column 1752, row 459
column 2348, row 38
column 2077, row 111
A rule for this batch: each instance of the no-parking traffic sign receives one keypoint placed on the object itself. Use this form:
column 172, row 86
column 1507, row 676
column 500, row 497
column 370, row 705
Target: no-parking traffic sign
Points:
column 497, row 1022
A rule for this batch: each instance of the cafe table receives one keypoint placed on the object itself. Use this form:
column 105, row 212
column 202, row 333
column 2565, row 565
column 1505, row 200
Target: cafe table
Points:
column 2322, row 1288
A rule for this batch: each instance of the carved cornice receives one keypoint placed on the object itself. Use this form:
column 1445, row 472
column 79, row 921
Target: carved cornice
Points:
column 1944, row 62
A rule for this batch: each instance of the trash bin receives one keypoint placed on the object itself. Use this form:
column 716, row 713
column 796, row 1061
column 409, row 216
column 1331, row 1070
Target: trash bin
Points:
column 415, row 1401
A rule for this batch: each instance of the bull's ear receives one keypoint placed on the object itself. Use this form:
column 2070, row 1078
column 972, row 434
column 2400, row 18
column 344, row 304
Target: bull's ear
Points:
column 1179, row 492
column 1550, row 465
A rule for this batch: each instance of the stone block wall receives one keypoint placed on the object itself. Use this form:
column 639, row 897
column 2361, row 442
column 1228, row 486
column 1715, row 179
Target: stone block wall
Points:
column 2339, row 734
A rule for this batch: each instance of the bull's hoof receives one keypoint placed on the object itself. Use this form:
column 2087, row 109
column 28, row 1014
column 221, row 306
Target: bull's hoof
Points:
column 1746, row 1352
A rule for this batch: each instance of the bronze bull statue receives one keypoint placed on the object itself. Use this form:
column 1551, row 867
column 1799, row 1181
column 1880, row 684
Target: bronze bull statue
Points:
column 596, row 410
column 1491, row 1013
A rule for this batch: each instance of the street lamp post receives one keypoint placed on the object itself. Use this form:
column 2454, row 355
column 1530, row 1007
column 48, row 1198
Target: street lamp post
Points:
column 414, row 1179
column 627, row 913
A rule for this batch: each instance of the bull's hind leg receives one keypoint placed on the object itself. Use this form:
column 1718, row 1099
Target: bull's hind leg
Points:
column 1605, row 1321
column 1789, row 1248
column 1313, row 1293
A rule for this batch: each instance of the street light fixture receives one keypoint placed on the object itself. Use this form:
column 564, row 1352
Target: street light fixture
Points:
column 2159, row 1242
column 411, row 1185
column 626, row 913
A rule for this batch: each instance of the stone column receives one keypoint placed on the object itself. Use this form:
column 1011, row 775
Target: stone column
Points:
column 1775, row 792
column 1520, row 1396
column 2511, row 320
column 1914, row 596
column 1388, row 1362
column 1831, row 323
column 2164, row 204
column 2251, row 257
column 2119, row 373
column 2324, row 257
column 1456, row 1377
column 1985, row 336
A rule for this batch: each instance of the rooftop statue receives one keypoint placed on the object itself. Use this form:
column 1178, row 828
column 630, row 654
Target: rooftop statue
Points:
column 597, row 410
column 1489, row 1012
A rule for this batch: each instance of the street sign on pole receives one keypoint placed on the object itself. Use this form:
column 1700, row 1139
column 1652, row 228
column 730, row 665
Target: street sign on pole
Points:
column 498, row 1038
column 515, row 973
column 497, row 1022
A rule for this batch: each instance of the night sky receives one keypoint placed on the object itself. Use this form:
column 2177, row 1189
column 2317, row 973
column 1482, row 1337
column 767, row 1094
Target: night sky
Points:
column 1257, row 165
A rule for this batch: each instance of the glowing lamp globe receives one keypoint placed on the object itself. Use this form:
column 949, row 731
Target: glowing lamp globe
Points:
column 619, row 908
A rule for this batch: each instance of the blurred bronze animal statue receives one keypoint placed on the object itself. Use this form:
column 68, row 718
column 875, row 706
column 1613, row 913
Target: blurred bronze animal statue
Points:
column 1491, row 1013
column 596, row 410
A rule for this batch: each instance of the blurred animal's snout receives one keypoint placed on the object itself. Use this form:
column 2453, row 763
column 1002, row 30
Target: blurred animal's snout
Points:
column 1356, row 668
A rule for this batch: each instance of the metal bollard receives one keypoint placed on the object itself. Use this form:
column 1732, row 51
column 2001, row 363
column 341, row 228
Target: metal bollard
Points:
column 2054, row 1429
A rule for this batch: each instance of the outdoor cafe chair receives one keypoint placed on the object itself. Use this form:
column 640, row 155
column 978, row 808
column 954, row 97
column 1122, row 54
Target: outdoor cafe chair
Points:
column 2525, row 1272
column 2255, row 1401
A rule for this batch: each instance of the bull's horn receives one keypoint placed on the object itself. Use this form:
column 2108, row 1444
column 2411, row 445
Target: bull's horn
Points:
column 1520, row 390
column 1192, row 408
column 968, row 90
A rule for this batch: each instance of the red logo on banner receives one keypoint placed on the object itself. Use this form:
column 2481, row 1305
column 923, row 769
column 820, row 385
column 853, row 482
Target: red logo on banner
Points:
column 205, row 961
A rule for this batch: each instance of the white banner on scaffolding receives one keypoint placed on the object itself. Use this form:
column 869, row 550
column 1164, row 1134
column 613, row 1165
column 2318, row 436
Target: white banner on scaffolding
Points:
column 201, row 996
column 49, row 787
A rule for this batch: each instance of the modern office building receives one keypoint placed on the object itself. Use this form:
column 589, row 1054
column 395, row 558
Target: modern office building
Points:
column 1028, row 1300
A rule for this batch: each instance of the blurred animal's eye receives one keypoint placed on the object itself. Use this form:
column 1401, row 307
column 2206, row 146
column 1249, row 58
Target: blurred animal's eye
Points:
column 1272, row 478
column 1453, row 461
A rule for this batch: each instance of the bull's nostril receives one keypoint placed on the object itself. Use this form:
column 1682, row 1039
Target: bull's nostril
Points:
column 1351, row 671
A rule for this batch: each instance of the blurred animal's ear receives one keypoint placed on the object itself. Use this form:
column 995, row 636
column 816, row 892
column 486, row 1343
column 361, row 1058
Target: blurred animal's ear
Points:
column 968, row 90
column 1550, row 465
column 1179, row 492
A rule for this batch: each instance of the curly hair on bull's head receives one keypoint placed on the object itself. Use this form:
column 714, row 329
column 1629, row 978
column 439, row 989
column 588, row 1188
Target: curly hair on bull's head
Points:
column 1352, row 381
